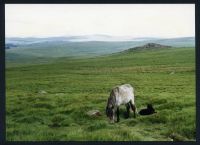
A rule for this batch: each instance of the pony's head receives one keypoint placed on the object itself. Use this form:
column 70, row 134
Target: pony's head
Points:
column 110, row 111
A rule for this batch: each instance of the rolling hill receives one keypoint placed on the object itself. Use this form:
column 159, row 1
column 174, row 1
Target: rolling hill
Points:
column 80, row 46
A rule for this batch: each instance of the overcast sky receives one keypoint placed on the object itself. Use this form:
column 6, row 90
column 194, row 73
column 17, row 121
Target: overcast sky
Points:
column 136, row 20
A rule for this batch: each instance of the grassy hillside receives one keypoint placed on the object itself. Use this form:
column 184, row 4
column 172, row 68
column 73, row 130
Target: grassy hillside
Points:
column 50, row 101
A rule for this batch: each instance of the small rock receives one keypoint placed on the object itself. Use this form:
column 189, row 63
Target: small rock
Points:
column 59, row 94
column 176, row 137
column 94, row 113
column 170, row 139
column 42, row 92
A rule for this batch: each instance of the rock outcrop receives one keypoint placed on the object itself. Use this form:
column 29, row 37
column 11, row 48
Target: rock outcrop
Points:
column 149, row 46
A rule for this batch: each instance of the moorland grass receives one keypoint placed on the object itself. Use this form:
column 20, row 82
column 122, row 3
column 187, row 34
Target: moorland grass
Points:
column 48, row 102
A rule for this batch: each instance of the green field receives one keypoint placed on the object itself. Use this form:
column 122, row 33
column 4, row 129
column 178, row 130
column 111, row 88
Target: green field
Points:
column 49, row 102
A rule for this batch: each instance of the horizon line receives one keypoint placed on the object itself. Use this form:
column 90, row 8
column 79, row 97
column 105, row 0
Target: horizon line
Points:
column 57, row 36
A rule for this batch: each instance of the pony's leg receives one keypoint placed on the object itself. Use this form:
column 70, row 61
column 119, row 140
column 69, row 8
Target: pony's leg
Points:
column 113, row 116
column 128, row 109
column 133, row 107
column 117, row 114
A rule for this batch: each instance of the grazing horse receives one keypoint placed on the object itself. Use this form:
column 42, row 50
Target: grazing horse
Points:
column 119, row 95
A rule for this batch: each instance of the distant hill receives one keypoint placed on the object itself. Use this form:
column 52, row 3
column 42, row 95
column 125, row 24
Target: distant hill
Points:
column 177, row 42
column 81, row 46
column 72, row 49
column 182, row 41
column 10, row 45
